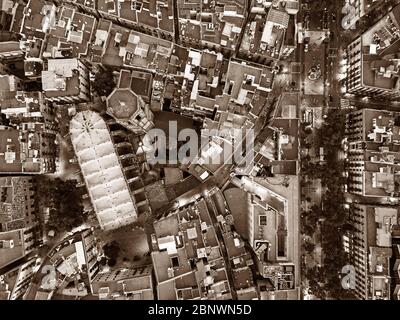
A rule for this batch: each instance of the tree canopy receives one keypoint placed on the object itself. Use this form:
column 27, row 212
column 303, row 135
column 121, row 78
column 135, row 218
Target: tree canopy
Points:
column 111, row 251
column 65, row 202
column 104, row 82
column 332, row 216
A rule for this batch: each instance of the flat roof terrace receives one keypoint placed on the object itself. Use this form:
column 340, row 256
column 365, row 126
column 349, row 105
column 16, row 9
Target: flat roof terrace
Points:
column 372, row 79
column 381, row 182
column 368, row 116
column 237, row 73
column 285, row 200
column 289, row 127
column 10, row 151
column 190, row 235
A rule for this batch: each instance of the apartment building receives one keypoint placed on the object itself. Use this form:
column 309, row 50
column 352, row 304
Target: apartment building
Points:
column 66, row 81
column 372, row 66
column 187, row 258
column 369, row 245
column 373, row 153
column 18, row 220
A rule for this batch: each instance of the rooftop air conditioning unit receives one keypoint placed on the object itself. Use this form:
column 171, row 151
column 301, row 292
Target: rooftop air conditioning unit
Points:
column 7, row 244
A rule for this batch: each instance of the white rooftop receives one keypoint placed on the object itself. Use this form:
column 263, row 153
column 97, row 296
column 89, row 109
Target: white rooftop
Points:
column 102, row 172
column 58, row 70
column 62, row 67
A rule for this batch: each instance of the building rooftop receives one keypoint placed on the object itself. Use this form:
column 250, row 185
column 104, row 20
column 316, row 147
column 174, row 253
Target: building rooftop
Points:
column 141, row 84
column 9, row 84
column 269, row 27
column 19, row 151
column 14, row 198
column 9, row 46
column 39, row 16
column 378, row 132
column 99, row 44
column 123, row 103
column 278, row 17
column 61, row 78
column 70, row 35
column 131, row 48
column 380, row 127
column 102, row 171
column 380, row 73
column 126, row 106
column 269, row 225
column 244, row 79
column 383, row 219
column 152, row 14
column 273, row 228
column 14, row 283
column 6, row 5
column 242, row 278
column 291, row 33
column 276, row 147
column 381, row 181
column 86, row 3
column 379, row 261
column 376, row 232
column 236, row 199
column 135, row 283
column 288, row 142
column 28, row 139
column 380, row 44
column 198, row 77
column 11, row 246
column 384, row 33
column 189, row 256
column 214, row 23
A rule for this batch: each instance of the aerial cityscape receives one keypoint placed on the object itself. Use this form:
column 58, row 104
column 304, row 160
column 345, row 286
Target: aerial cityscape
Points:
column 200, row 150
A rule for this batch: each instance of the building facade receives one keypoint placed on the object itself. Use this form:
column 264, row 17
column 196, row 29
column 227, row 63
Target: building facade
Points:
column 124, row 284
column 373, row 153
column 187, row 257
column 19, row 233
column 369, row 246
column 29, row 133
column 15, row 283
column 372, row 66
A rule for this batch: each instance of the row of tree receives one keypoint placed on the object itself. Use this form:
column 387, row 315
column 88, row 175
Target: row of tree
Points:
column 332, row 216
column 65, row 203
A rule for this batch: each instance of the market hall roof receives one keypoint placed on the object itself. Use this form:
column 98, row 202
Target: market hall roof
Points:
column 102, row 171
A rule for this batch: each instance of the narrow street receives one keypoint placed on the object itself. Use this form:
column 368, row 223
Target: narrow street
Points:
column 317, row 97
column 246, row 22
column 213, row 212
column 45, row 256
column 334, row 57
column 176, row 22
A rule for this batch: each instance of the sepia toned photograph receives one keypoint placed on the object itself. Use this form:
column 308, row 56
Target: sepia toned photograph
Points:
column 199, row 157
